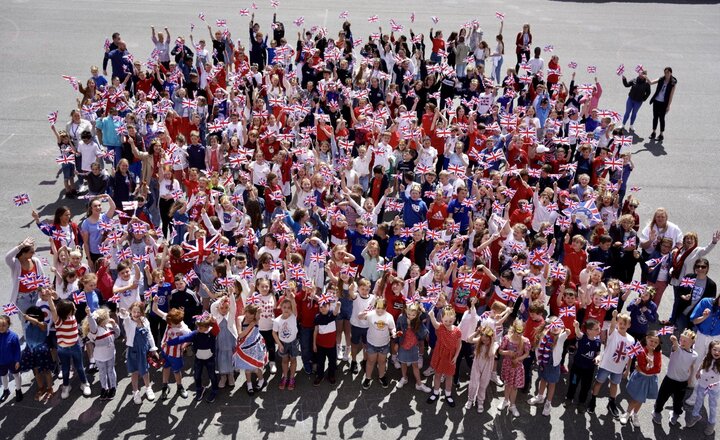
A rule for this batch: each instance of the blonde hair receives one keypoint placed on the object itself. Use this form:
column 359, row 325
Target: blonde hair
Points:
column 101, row 315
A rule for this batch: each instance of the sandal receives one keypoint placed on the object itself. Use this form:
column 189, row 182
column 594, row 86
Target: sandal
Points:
column 39, row 394
column 291, row 384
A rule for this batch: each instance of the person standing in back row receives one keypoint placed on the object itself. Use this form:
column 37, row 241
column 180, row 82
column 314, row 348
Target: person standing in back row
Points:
column 661, row 100
column 639, row 92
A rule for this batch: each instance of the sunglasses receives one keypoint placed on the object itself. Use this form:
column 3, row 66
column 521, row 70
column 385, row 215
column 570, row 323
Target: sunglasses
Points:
column 701, row 267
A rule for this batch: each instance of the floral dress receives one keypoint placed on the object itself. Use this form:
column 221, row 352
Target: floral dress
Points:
column 514, row 375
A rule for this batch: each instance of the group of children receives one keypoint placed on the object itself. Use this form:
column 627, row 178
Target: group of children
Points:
column 516, row 266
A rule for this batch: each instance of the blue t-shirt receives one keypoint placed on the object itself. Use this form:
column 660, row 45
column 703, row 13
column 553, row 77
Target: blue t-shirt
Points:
column 196, row 156
column 459, row 213
column 163, row 295
column 357, row 242
column 94, row 232
column 711, row 325
column 108, row 125
column 587, row 351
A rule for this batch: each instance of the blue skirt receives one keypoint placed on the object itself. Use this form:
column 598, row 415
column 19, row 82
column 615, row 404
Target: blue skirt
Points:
column 550, row 373
column 641, row 387
column 137, row 354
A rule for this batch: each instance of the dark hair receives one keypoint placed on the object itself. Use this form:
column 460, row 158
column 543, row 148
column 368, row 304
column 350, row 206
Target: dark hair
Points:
column 669, row 69
column 65, row 308
column 35, row 312
column 591, row 324
column 59, row 213
column 702, row 262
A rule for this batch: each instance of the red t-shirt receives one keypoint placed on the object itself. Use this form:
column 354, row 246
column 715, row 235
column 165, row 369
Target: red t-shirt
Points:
column 596, row 313
column 530, row 327
column 575, row 262
column 436, row 215
column 307, row 309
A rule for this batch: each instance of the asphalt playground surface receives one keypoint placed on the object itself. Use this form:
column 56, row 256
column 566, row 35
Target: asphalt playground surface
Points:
column 40, row 40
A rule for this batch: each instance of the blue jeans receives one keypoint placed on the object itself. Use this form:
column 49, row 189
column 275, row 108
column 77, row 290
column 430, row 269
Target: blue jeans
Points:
column 71, row 354
column 631, row 106
column 712, row 394
column 306, row 351
column 23, row 302
column 498, row 68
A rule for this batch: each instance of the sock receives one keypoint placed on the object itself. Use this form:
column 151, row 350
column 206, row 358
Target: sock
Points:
column 437, row 391
column 249, row 385
column 6, row 381
column 448, row 393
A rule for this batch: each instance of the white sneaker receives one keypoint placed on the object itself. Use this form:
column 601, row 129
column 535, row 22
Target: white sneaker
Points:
column 137, row 397
column 536, row 400
column 480, row 408
column 504, row 404
column 85, row 389
column 624, row 417
column 546, row 409
column 422, row 387
column 260, row 383
column 346, row 354
column 402, row 382
column 429, row 372
column 514, row 411
column 396, row 363
column 65, row 391
column 273, row 368
column 635, row 420
column 674, row 419
column 468, row 405
column 690, row 401
column 149, row 393
column 223, row 380
column 495, row 378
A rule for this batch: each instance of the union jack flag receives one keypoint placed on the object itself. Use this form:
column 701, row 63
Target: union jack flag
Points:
column 667, row 330
column 349, row 270
column 687, row 282
column 558, row 272
column 508, row 294
column 373, row 19
column 458, row 170
column 634, row 350
column 79, row 297
column 326, row 299
column 10, row 309
column 200, row 249
column 620, row 70
column 52, row 117
column 190, row 276
column 572, row 65
column 609, row 302
column 591, row 69
column 246, row 273
column 21, row 199
column 567, row 312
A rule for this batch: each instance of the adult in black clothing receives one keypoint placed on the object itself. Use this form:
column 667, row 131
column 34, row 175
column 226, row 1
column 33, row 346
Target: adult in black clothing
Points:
column 639, row 92
column 123, row 183
column 661, row 100
column 278, row 31
column 109, row 48
column 686, row 298
column 258, row 47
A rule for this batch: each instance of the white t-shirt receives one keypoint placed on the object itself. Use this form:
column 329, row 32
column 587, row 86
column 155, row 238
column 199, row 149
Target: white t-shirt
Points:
column 286, row 329
column 267, row 308
column 380, row 328
column 128, row 297
column 360, row 305
column 88, row 154
column 615, row 356
column 259, row 172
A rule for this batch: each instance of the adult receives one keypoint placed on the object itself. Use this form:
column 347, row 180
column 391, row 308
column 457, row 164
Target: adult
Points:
column 658, row 228
column 92, row 234
column 109, row 48
column 661, row 100
column 23, row 263
column 107, row 131
column 77, row 126
column 120, row 61
column 62, row 230
column 497, row 55
column 639, row 92
column 123, row 183
column 706, row 318
column 162, row 46
column 698, row 286
column 522, row 45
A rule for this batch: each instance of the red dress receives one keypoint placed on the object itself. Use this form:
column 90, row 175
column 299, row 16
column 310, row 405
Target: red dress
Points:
column 444, row 351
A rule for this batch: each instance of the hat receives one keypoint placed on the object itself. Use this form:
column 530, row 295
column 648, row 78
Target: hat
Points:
column 572, row 111
column 542, row 149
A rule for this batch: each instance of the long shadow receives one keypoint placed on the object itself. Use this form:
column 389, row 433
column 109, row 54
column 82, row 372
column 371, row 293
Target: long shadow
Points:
column 653, row 147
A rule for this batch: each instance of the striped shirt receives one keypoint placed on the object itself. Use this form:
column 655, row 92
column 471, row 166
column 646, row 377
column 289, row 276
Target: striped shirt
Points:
column 172, row 333
column 67, row 332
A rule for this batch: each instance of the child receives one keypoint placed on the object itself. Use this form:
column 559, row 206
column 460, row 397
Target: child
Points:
column 381, row 329
column 643, row 312
column 483, row 366
column 680, row 368
column 549, row 354
column 411, row 333
column 68, row 341
column 203, row 341
column 514, row 349
column 173, row 356
column 127, row 284
column 643, row 382
column 224, row 312
column 613, row 361
column 102, row 330
column 363, row 301
column 36, row 356
column 250, row 351
column 139, row 343
column 445, row 353
column 324, row 338
column 583, row 366
column 267, row 303
column 285, row 333
column 10, row 357
column 708, row 379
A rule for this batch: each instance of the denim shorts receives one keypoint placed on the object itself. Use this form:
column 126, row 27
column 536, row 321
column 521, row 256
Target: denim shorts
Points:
column 290, row 349
column 603, row 375
column 358, row 335
column 371, row 349
column 68, row 171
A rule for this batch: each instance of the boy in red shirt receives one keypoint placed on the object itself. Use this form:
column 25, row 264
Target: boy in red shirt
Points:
column 324, row 338
column 575, row 258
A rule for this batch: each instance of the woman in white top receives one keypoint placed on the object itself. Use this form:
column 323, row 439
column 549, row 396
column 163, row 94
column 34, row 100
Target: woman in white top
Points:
column 497, row 55
column 169, row 188
column 658, row 228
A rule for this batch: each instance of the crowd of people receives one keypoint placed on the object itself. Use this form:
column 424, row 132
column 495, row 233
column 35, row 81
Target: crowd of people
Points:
column 280, row 205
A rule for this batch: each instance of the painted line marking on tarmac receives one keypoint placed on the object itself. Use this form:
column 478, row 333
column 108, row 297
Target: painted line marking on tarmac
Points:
column 7, row 139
